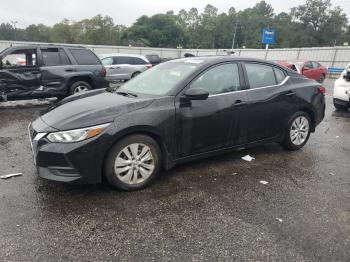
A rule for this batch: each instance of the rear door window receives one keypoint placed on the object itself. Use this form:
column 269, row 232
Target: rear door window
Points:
column 85, row 57
column 260, row 75
column 124, row 60
column 54, row 57
column 139, row 61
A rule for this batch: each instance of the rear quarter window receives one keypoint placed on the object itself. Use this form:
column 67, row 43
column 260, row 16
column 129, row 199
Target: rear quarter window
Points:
column 85, row 57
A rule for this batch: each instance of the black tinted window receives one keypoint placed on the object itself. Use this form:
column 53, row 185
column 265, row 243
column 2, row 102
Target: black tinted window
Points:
column 50, row 57
column 54, row 57
column 64, row 58
column 260, row 75
column 124, row 60
column 220, row 79
column 85, row 57
column 139, row 61
column 280, row 76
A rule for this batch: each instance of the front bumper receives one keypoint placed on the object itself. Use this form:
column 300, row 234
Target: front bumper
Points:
column 79, row 162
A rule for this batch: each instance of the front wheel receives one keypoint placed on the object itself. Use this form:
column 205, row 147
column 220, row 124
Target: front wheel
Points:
column 298, row 131
column 133, row 163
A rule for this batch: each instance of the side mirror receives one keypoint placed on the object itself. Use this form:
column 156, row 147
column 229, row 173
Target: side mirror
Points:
column 196, row 94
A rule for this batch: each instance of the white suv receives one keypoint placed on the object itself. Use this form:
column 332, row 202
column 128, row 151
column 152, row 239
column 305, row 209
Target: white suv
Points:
column 124, row 66
column 341, row 95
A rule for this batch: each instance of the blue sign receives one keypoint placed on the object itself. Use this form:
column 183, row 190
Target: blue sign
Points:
column 268, row 36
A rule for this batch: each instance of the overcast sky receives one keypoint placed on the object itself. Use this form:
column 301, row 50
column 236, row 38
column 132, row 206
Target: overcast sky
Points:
column 125, row 12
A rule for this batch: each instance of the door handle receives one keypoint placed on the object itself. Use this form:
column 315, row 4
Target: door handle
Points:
column 290, row 93
column 239, row 103
column 69, row 70
column 114, row 67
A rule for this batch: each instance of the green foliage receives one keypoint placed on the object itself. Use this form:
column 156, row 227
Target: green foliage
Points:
column 315, row 23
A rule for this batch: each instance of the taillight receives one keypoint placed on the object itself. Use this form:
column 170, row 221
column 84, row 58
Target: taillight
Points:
column 103, row 72
column 322, row 90
column 149, row 66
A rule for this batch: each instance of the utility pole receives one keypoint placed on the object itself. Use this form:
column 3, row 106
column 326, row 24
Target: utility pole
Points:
column 14, row 25
column 234, row 36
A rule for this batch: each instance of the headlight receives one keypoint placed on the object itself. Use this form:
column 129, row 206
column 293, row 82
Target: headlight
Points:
column 77, row 134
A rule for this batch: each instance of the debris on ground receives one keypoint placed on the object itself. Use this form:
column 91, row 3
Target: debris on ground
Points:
column 10, row 175
column 248, row 158
column 279, row 219
column 337, row 137
column 332, row 174
column 263, row 182
column 234, row 174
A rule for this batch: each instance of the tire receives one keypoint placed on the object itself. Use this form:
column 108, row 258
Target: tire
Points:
column 127, row 175
column 82, row 85
column 341, row 107
column 135, row 74
column 322, row 78
column 298, row 131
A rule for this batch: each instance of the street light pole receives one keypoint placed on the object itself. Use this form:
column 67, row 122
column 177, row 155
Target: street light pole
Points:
column 14, row 26
column 234, row 37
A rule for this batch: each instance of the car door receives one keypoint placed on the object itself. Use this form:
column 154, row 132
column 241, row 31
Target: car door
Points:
column 55, row 67
column 19, row 73
column 214, row 123
column 271, row 100
column 123, row 66
column 309, row 71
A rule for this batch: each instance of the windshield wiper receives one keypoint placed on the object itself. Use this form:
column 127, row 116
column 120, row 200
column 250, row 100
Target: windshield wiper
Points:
column 124, row 93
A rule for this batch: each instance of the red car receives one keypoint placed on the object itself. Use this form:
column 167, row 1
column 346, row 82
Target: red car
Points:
column 310, row 69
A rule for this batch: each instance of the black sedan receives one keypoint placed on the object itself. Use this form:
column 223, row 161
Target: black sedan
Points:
column 178, row 111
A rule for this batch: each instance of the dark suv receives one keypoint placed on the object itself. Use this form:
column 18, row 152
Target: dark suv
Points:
column 39, row 71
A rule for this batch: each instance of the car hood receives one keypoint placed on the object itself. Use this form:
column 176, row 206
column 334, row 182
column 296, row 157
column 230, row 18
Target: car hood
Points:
column 92, row 108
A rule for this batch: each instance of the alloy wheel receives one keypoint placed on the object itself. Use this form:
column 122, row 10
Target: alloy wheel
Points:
column 134, row 164
column 80, row 89
column 299, row 130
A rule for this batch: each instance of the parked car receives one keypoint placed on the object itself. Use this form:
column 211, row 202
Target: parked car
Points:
column 124, row 66
column 178, row 111
column 154, row 59
column 39, row 71
column 341, row 93
column 310, row 69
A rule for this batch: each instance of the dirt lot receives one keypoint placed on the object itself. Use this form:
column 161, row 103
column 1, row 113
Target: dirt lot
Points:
column 210, row 210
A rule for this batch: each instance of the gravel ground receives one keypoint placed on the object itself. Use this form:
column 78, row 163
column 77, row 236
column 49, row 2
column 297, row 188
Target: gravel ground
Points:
column 213, row 210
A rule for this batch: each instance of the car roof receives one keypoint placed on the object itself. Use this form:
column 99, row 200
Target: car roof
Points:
column 220, row 59
column 31, row 46
column 121, row 54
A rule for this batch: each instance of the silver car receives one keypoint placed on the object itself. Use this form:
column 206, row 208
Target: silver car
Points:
column 124, row 66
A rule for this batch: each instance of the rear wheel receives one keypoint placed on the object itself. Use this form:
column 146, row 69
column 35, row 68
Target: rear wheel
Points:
column 133, row 163
column 79, row 87
column 135, row 74
column 298, row 131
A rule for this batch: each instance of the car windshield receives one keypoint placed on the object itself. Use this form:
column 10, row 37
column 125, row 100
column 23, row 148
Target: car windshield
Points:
column 161, row 79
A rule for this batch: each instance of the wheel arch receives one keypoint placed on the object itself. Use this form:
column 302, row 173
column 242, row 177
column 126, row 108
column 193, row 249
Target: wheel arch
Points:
column 311, row 114
column 167, row 163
